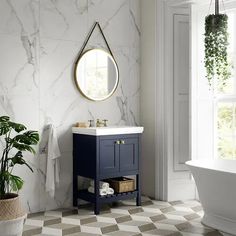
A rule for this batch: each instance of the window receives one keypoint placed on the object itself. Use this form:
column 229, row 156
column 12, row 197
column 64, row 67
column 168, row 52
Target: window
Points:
column 225, row 103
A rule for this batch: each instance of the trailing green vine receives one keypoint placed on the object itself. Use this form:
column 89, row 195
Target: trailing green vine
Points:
column 216, row 43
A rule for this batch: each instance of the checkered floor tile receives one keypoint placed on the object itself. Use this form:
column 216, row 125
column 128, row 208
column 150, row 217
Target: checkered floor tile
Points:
column 123, row 219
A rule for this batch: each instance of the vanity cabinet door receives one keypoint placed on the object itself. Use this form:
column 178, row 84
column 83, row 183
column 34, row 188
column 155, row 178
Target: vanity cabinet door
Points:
column 129, row 154
column 109, row 156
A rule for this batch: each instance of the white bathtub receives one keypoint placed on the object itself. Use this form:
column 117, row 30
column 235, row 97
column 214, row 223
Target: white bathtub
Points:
column 216, row 184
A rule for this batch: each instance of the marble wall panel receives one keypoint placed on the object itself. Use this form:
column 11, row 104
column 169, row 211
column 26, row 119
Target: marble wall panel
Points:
column 39, row 43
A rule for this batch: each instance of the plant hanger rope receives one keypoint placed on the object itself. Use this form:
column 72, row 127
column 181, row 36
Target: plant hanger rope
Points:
column 209, row 8
column 223, row 4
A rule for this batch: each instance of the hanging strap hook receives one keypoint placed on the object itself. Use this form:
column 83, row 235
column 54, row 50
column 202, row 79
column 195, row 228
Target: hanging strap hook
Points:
column 217, row 9
column 89, row 35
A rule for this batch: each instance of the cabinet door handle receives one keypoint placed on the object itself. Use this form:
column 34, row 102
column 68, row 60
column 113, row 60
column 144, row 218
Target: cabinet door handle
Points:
column 117, row 142
column 122, row 141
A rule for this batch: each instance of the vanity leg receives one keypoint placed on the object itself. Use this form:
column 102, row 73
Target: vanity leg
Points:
column 138, row 186
column 75, row 178
column 96, row 208
column 75, row 191
column 96, row 192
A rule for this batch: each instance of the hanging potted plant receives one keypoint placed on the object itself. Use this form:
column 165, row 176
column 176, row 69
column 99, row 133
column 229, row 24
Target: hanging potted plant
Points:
column 216, row 43
column 16, row 139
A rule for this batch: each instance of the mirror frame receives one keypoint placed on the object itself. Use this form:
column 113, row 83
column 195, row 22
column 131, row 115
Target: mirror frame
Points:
column 76, row 79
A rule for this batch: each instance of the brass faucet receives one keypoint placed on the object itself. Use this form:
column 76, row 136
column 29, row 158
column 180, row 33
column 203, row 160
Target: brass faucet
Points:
column 101, row 123
column 91, row 122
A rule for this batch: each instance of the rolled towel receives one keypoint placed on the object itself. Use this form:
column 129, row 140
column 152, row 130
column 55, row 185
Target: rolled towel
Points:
column 102, row 191
column 110, row 191
column 103, row 185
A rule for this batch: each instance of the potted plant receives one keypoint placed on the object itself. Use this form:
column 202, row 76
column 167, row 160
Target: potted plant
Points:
column 216, row 43
column 16, row 140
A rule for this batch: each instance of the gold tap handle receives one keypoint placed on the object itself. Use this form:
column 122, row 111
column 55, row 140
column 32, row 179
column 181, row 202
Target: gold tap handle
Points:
column 117, row 142
column 105, row 122
column 90, row 123
column 122, row 141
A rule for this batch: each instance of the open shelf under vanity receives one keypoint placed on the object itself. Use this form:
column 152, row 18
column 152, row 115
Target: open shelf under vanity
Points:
column 91, row 197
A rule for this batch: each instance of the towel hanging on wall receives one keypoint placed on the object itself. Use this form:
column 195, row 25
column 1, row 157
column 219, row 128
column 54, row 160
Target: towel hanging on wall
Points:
column 49, row 150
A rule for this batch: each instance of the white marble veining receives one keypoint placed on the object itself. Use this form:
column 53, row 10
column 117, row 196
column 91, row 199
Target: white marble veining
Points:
column 39, row 43
column 112, row 130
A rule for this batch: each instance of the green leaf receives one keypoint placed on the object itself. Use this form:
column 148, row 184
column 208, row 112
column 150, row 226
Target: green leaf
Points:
column 29, row 137
column 18, row 159
column 23, row 147
column 4, row 128
column 17, row 127
column 6, row 178
column 4, row 118
column 15, row 182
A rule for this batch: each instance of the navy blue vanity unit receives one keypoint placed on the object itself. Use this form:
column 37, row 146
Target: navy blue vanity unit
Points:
column 106, row 152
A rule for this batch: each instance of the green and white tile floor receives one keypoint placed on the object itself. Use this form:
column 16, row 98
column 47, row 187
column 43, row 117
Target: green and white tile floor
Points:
column 124, row 219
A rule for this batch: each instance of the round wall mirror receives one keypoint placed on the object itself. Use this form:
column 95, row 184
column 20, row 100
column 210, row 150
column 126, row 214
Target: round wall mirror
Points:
column 96, row 74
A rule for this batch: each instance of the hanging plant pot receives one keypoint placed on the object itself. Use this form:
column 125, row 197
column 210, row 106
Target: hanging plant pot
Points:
column 216, row 43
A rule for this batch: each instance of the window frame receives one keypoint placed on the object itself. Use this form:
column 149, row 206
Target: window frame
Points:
column 225, row 98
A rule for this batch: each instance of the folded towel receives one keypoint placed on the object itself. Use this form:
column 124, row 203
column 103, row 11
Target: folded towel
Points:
column 102, row 191
column 103, row 185
column 82, row 124
column 110, row 191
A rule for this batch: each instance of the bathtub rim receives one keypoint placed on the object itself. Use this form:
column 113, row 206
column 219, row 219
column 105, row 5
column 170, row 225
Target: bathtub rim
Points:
column 195, row 163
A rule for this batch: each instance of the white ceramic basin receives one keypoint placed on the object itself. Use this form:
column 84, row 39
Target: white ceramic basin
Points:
column 111, row 130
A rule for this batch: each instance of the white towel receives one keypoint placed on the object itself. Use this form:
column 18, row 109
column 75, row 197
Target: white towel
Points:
column 102, row 191
column 52, row 174
column 49, row 150
column 110, row 191
column 102, row 184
